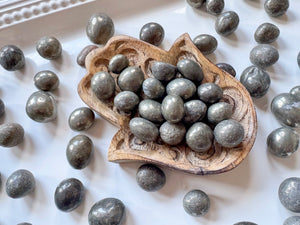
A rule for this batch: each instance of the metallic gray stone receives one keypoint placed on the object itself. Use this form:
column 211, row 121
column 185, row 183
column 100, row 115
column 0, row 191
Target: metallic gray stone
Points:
column 49, row 48
column 143, row 129
column 227, row 68
column 103, row 85
column 81, row 119
column 11, row 134
column 126, row 101
column 12, row 58
column 195, row 3
column 181, row 87
column 295, row 92
column 108, row 211
column 218, row 112
column 151, row 110
column 46, row 80
column 229, row 133
column 199, row 137
column 276, row 8
column 266, row 33
column 163, row 71
column 293, row 220
column 283, row 142
column 194, row 110
column 286, row 109
column 190, row 70
column 206, row 43
column 172, row 108
column 131, row 79
column 150, row 178
column 118, row 63
column 69, row 194
column 153, row 88
column 215, row 7
column 210, row 92
column 227, row 23
column 41, row 107
column 79, row 151
column 264, row 55
column 289, row 194
column 100, row 28
column 152, row 33
column 245, row 223
column 2, row 108
column 83, row 54
column 256, row 81
column 20, row 183
column 172, row 133
column 196, row 203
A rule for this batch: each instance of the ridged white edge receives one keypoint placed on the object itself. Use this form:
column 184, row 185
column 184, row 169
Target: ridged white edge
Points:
column 17, row 11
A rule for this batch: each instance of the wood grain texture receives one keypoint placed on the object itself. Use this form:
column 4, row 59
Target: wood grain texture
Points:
column 125, row 147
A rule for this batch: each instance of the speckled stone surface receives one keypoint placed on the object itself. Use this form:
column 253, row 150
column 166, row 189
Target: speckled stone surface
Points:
column 195, row 3
column 196, row 203
column 131, row 79
column 153, row 88
column 276, row 8
column 181, row 87
column 172, row 108
column 206, row 43
column 298, row 59
column 289, row 194
column 49, row 48
column 194, row 110
column 151, row 110
column 293, row 220
column 218, row 112
column 143, row 129
column 103, row 85
column 191, row 70
column 210, row 92
column 152, row 33
column 46, row 80
column 215, row 7
column 266, row 33
column 264, row 55
column 199, row 137
column 11, row 58
column 84, row 52
column 227, row 23
column 228, row 68
column 163, row 71
column 11, row 134
column 172, row 133
column 126, row 101
column 118, row 63
column 81, row 119
column 295, row 92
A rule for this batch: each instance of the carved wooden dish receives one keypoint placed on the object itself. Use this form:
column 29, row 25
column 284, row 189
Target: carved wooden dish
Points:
column 125, row 147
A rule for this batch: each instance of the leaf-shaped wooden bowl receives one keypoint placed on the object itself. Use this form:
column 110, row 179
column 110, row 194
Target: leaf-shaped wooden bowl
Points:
column 125, row 147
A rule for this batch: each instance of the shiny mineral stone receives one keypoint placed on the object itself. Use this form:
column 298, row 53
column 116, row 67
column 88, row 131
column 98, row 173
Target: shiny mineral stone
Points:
column 11, row 58
column 152, row 33
column 199, row 137
column 11, row 134
column 227, row 23
column 81, row 119
column 266, row 33
column 2, row 108
column 108, row 211
column 206, row 43
column 194, row 110
column 126, row 101
column 83, row 54
column 20, row 183
column 118, row 63
column 295, row 92
column 196, row 203
column 264, row 55
column 190, row 70
column 151, row 110
column 283, row 142
column 218, row 112
column 153, row 88
column 103, row 85
column 131, row 79
column 181, row 87
column 46, row 80
column 210, row 92
column 227, row 68
column 100, row 28
column 150, row 178
column 195, row 3
column 172, row 108
column 276, row 8
column 163, row 71
column 289, row 194
column 293, row 220
column 143, row 129
column 49, row 48
column 172, row 133
column 215, row 7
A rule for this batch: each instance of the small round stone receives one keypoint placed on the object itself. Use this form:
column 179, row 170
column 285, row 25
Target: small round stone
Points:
column 227, row 23
column 81, row 119
column 194, row 110
column 100, row 28
column 49, row 48
column 276, row 8
column 190, row 70
column 172, row 108
column 41, row 107
column 256, row 81
column 143, row 129
column 69, row 194
column 227, row 68
column 151, row 110
column 295, row 92
column 11, row 134
column 264, row 55
column 181, row 87
column 118, row 63
column 195, row 3
column 206, row 43
column 108, row 211
column 245, row 223
column 298, row 59
column 218, row 112
column 20, row 183
column 210, row 92
column 12, row 58
column 2, row 108
column 229, row 133
column 172, row 133
column 83, row 54
column 103, row 85
column 153, row 88
column 196, row 203
column 150, row 178
column 289, row 194
column 266, row 33
column 79, row 151
column 283, row 142
column 46, row 80
column 215, row 7
column 199, row 137
column 293, row 220
column 163, row 71
column 152, row 33
column 131, row 79
column 126, row 101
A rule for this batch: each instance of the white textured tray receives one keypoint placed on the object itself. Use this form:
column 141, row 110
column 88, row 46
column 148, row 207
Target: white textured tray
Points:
column 248, row 192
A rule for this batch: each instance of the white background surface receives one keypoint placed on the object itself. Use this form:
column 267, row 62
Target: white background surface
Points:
column 249, row 192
